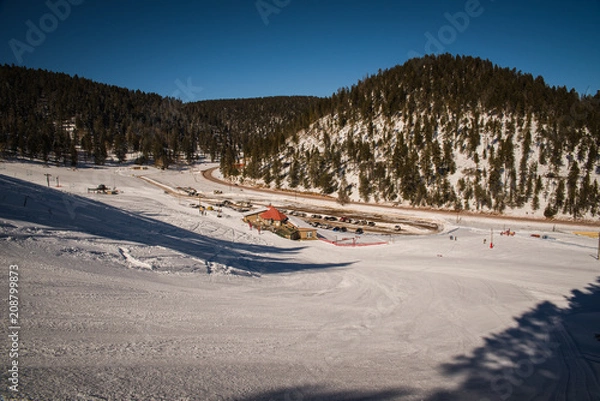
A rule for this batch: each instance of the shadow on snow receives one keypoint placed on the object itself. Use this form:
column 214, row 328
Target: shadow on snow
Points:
column 24, row 201
column 320, row 394
column 551, row 353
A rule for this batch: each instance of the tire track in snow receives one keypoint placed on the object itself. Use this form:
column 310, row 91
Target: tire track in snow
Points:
column 577, row 379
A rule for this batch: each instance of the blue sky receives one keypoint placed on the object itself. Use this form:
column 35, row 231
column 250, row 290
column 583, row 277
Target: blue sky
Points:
column 211, row 49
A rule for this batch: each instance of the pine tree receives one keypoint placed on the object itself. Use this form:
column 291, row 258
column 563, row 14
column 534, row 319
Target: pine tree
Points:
column 276, row 172
column 559, row 197
column 535, row 202
column 294, row 174
column 120, row 147
column 364, row 186
column 572, row 203
column 343, row 192
column 73, row 154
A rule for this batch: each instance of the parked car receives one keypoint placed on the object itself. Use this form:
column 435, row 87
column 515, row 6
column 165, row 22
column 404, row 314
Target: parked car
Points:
column 359, row 231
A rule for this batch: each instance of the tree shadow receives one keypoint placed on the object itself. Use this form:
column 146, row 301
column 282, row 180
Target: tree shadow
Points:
column 39, row 205
column 321, row 394
column 552, row 353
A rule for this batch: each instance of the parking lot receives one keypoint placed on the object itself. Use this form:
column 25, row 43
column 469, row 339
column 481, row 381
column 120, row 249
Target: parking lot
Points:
column 361, row 223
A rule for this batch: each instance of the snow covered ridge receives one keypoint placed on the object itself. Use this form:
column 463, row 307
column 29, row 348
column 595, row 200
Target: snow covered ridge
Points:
column 488, row 162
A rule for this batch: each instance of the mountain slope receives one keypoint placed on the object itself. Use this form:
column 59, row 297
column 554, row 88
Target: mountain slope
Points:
column 56, row 117
column 439, row 131
column 448, row 132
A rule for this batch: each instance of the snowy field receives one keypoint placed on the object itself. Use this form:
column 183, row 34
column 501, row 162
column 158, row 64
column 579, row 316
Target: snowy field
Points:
column 137, row 296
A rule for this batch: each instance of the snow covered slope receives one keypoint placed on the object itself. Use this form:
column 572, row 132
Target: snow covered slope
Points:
column 137, row 296
column 443, row 131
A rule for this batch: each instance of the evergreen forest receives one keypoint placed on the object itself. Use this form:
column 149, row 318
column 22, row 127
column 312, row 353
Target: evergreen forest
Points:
column 441, row 131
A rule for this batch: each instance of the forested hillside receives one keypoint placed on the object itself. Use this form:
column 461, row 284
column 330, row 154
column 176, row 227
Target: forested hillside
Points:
column 253, row 127
column 64, row 119
column 447, row 132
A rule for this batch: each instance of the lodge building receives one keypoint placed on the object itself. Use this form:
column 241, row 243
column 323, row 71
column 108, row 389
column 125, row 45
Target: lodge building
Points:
column 273, row 220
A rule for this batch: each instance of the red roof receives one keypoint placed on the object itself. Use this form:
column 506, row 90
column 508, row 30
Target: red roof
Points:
column 273, row 214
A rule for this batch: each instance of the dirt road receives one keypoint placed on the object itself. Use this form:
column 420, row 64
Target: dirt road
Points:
column 208, row 174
